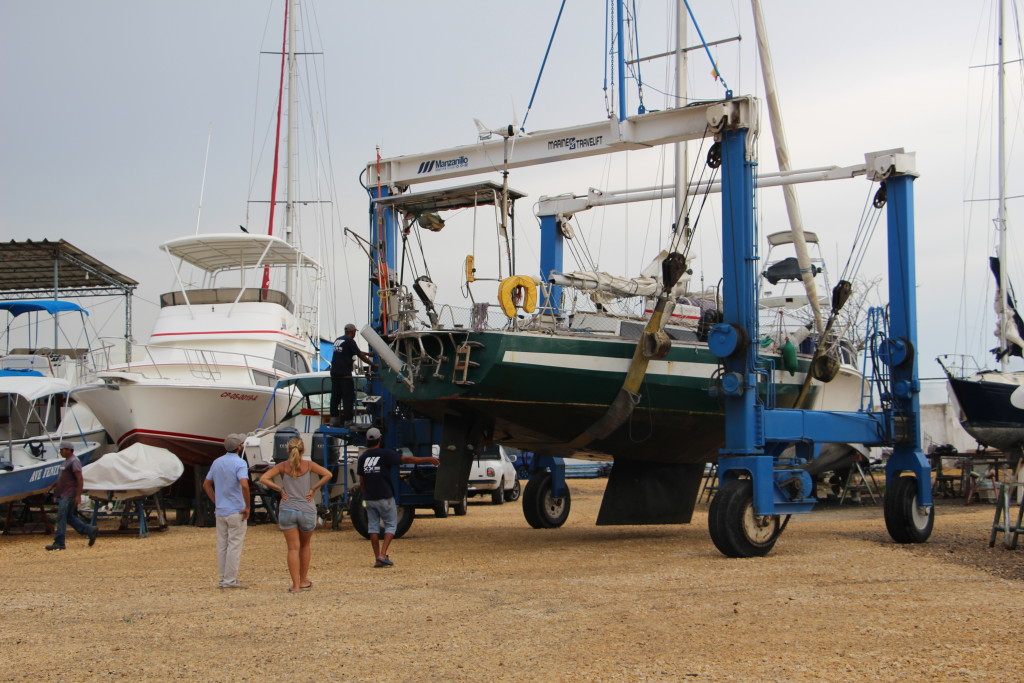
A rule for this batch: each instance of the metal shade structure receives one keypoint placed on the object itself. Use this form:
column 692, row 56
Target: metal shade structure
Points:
column 52, row 270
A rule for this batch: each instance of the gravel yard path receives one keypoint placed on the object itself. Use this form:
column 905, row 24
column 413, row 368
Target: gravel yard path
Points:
column 485, row 597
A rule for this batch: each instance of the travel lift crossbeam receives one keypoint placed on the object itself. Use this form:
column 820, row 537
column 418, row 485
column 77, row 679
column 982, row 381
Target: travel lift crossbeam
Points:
column 756, row 487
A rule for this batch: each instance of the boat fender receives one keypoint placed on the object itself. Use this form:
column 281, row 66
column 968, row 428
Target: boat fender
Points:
column 509, row 290
column 385, row 353
column 789, row 357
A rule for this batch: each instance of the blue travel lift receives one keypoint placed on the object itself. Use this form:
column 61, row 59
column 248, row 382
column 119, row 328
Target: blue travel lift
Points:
column 759, row 488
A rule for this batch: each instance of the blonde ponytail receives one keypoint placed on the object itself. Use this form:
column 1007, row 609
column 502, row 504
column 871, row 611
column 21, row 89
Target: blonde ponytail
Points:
column 295, row 451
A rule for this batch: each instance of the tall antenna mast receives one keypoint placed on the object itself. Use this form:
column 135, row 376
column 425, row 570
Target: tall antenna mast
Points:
column 1001, row 212
column 291, row 176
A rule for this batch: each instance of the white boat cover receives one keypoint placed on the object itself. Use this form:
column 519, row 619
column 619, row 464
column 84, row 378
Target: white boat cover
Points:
column 137, row 471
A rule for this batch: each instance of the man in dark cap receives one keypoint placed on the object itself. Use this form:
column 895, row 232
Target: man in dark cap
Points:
column 374, row 468
column 69, row 487
column 343, row 387
column 227, row 485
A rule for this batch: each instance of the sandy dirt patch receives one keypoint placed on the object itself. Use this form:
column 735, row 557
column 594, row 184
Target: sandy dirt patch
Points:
column 486, row 597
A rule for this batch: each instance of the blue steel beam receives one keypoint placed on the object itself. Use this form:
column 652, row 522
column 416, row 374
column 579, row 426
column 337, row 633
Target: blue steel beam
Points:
column 551, row 241
column 739, row 384
column 906, row 454
column 383, row 237
column 815, row 426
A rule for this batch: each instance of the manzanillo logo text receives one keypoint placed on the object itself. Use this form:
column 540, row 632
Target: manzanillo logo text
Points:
column 443, row 164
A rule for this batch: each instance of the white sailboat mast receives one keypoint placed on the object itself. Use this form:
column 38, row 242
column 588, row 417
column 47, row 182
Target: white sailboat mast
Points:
column 681, row 160
column 290, row 175
column 1004, row 316
column 782, row 154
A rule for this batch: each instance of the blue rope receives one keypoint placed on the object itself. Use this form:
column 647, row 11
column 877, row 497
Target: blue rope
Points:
column 522, row 127
column 718, row 74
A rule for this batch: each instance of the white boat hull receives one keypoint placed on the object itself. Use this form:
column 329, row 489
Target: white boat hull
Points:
column 188, row 419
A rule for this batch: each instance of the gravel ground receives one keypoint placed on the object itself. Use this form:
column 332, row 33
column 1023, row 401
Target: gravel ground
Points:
column 485, row 596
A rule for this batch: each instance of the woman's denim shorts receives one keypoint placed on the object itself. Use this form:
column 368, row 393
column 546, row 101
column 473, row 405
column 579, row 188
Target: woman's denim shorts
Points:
column 289, row 519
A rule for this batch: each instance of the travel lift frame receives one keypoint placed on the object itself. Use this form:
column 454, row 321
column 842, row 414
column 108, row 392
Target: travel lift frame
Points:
column 757, row 486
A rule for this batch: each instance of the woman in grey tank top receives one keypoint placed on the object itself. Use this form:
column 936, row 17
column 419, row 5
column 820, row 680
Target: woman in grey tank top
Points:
column 297, row 513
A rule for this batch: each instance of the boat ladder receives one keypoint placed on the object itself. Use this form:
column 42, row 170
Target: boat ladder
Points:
column 463, row 364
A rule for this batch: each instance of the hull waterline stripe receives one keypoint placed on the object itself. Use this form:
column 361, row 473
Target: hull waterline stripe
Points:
column 174, row 435
column 621, row 365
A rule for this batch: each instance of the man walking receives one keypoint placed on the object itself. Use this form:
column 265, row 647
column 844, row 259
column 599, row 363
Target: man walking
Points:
column 343, row 388
column 375, row 467
column 69, row 487
column 227, row 485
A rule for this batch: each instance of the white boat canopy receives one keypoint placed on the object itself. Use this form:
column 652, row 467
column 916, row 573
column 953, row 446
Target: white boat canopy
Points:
column 32, row 387
column 786, row 237
column 231, row 251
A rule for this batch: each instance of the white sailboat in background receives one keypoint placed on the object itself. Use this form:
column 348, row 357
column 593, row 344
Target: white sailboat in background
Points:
column 245, row 314
column 991, row 407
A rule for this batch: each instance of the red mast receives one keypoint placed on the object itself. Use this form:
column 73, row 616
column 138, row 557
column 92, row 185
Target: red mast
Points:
column 277, row 141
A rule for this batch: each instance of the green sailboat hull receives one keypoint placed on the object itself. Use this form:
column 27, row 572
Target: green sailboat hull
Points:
column 538, row 391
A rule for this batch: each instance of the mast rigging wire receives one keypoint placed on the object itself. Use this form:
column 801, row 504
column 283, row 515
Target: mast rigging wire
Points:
column 547, row 51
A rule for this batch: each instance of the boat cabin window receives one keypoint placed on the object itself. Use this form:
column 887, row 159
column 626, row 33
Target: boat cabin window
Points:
column 290, row 361
column 226, row 295
column 263, row 379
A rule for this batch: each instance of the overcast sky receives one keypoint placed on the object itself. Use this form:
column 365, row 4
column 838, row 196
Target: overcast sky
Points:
column 108, row 106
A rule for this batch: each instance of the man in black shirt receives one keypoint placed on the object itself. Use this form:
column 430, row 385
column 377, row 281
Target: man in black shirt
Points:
column 343, row 388
column 375, row 468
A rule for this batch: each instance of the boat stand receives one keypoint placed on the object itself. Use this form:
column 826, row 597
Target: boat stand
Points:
column 860, row 481
column 18, row 519
column 1001, row 521
column 138, row 508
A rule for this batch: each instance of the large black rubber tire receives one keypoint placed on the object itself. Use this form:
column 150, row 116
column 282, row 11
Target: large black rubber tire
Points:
column 406, row 514
column 540, row 508
column 357, row 513
column 461, row 508
column 905, row 523
column 512, row 495
column 441, row 509
column 498, row 494
column 735, row 530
